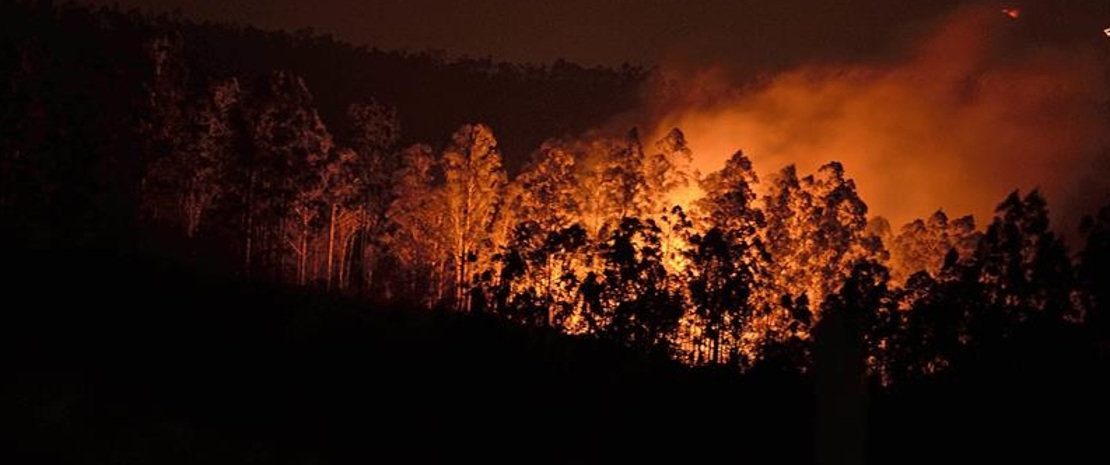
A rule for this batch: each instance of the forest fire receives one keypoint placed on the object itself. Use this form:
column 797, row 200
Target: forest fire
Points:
column 841, row 233
column 674, row 240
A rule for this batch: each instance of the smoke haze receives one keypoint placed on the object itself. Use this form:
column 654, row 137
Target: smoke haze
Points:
column 967, row 113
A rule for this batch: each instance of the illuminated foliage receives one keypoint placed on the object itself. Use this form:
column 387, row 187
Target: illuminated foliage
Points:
column 543, row 260
column 474, row 181
column 922, row 245
column 418, row 237
column 668, row 172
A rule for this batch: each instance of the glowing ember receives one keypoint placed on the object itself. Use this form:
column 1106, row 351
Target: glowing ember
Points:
column 1107, row 31
column 1013, row 13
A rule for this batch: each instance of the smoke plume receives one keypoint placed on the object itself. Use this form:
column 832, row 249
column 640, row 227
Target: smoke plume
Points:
column 966, row 114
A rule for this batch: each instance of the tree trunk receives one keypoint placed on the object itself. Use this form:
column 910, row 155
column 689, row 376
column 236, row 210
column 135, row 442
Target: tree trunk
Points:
column 368, row 272
column 249, row 227
column 331, row 243
column 300, row 248
column 441, row 277
column 314, row 266
column 550, row 297
column 341, row 273
column 249, row 244
column 717, row 347
column 345, row 261
column 301, row 268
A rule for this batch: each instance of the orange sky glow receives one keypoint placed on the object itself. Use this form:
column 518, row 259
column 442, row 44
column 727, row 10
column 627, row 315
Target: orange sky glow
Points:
column 958, row 122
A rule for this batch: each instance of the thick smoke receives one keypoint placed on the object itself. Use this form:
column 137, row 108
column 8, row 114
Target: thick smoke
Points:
column 967, row 115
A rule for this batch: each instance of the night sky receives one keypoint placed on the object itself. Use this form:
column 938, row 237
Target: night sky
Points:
column 734, row 33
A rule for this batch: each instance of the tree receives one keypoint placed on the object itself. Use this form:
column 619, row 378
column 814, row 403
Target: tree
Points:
column 1024, row 268
column 623, row 189
column 817, row 227
column 288, row 145
column 164, row 121
column 610, row 181
column 630, row 300
column 546, row 190
column 1094, row 271
column 343, row 193
column 543, row 260
column 419, row 233
column 789, row 233
column 845, row 344
column 368, row 177
column 923, row 244
column 728, row 263
column 839, row 225
column 539, row 274
column 667, row 172
column 931, row 328
column 185, row 183
column 864, row 309
column 790, row 348
column 474, row 184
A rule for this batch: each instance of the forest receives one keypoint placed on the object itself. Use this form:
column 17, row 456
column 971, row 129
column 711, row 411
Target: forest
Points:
column 477, row 189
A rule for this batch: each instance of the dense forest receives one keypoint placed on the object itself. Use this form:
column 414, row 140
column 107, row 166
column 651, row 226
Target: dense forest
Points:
column 473, row 189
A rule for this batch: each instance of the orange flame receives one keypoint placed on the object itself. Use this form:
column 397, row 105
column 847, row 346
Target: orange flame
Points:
column 1013, row 13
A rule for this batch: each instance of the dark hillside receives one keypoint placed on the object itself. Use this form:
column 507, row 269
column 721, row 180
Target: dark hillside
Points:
column 149, row 363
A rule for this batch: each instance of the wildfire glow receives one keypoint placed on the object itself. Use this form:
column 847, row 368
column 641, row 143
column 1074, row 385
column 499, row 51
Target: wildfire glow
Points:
column 962, row 118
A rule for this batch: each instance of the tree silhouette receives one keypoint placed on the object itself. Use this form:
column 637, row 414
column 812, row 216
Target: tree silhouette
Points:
column 728, row 262
column 846, row 341
column 539, row 274
column 369, row 191
column 190, row 179
column 288, row 147
column 840, row 223
column 634, row 305
column 789, row 234
column 1094, row 271
column 1024, row 269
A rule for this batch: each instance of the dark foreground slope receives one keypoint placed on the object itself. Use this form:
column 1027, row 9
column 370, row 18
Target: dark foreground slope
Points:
column 120, row 360
column 114, row 359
